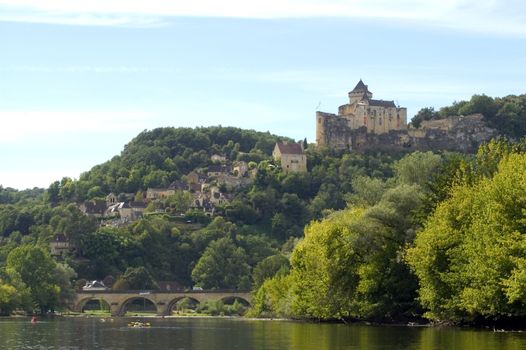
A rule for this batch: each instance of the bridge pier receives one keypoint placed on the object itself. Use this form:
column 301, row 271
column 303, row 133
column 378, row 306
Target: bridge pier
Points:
column 115, row 309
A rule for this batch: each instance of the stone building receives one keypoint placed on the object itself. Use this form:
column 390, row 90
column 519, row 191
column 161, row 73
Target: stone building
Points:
column 158, row 193
column 377, row 116
column 61, row 245
column 290, row 156
column 94, row 208
column 365, row 123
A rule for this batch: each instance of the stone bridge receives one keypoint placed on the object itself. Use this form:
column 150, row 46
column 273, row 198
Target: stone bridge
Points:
column 164, row 301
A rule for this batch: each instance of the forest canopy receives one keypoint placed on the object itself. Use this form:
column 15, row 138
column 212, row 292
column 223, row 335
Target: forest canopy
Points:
column 505, row 114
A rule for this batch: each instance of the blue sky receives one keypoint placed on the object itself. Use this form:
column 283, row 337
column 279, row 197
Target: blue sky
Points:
column 79, row 79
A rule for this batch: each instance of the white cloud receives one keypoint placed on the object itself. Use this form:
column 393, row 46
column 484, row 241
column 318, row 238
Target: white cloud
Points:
column 494, row 16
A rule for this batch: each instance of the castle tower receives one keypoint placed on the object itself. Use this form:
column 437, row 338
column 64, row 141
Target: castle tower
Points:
column 359, row 92
column 320, row 128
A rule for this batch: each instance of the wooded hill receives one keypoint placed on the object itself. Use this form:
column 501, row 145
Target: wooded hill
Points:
column 372, row 236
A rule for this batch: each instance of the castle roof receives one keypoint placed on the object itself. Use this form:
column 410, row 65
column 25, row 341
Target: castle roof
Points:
column 365, row 97
column 360, row 87
column 289, row 148
column 381, row 103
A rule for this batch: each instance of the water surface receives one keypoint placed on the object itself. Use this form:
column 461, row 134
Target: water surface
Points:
column 219, row 333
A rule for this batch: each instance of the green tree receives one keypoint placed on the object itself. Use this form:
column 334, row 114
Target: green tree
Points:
column 180, row 201
column 417, row 168
column 426, row 113
column 64, row 276
column 221, row 266
column 469, row 259
column 8, row 298
column 268, row 267
column 367, row 191
column 36, row 269
column 139, row 279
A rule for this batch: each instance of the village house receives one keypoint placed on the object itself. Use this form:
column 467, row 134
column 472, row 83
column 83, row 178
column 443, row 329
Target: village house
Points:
column 158, row 193
column 217, row 170
column 61, row 245
column 94, row 208
column 95, row 286
column 216, row 196
column 178, row 185
column 202, row 201
column 291, row 156
column 195, row 178
column 111, row 199
column 240, row 169
column 127, row 211
column 218, row 158
column 195, row 188
column 233, row 182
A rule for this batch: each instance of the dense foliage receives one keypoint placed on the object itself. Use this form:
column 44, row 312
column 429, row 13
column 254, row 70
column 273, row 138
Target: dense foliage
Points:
column 350, row 264
column 445, row 240
column 506, row 114
column 470, row 258
column 370, row 236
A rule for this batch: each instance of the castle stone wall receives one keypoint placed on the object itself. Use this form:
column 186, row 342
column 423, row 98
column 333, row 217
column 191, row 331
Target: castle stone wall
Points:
column 458, row 133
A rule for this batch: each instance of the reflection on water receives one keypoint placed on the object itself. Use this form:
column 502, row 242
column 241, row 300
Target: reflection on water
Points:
column 216, row 333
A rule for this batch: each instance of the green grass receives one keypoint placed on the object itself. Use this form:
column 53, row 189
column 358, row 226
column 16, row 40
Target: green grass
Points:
column 97, row 312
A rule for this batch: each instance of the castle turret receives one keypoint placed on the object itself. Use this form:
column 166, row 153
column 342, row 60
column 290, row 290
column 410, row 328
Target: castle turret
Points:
column 359, row 92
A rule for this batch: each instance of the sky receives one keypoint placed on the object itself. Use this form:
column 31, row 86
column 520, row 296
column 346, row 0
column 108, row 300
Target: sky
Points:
column 80, row 79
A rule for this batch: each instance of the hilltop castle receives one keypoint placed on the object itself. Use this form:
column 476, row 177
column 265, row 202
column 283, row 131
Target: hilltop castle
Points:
column 366, row 123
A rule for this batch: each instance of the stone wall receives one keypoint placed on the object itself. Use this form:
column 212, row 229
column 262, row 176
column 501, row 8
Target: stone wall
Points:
column 458, row 133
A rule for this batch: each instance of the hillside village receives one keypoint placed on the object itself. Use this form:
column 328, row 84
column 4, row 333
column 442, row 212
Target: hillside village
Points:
column 199, row 190
column 362, row 124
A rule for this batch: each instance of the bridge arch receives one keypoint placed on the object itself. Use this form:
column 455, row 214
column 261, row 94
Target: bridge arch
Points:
column 126, row 303
column 79, row 307
column 232, row 298
column 175, row 301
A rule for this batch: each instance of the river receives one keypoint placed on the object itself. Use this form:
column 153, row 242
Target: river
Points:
column 221, row 333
